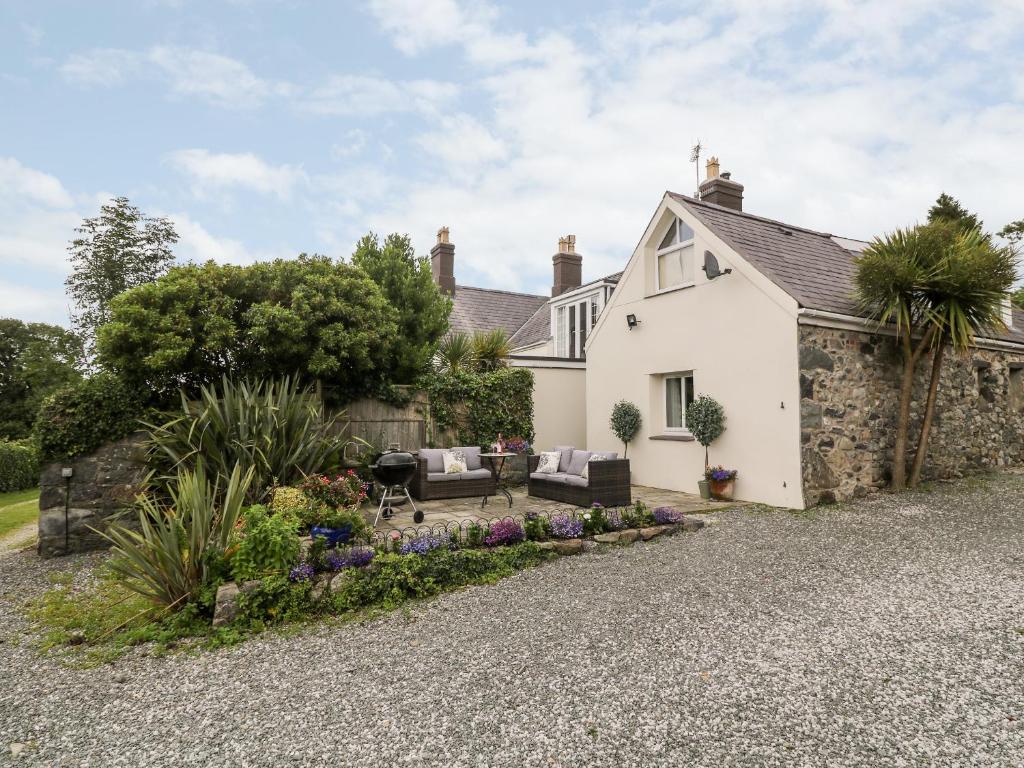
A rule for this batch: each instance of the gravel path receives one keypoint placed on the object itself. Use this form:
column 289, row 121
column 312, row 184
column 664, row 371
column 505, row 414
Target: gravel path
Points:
column 884, row 633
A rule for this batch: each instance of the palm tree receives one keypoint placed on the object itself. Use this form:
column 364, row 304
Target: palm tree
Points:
column 455, row 353
column 890, row 273
column 490, row 349
column 964, row 297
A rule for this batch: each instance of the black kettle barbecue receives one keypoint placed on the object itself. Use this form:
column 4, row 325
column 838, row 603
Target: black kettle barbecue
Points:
column 393, row 471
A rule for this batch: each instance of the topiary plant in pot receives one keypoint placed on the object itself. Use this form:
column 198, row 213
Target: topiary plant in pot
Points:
column 705, row 419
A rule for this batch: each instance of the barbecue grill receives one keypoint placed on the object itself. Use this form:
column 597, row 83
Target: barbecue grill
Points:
column 393, row 471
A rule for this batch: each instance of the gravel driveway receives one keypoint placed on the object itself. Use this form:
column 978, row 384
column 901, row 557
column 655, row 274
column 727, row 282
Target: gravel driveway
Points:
column 882, row 633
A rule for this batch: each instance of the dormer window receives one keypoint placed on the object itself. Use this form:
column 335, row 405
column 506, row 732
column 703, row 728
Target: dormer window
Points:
column 675, row 257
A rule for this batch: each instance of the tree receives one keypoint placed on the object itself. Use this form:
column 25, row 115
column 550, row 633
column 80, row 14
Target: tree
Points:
column 36, row 359
column 323, row 321
column 117, row 250
column 963, row 297
column 455, row 353
column 1014, row 232
column 888, row 280
column 948, row 208
column 705, row 419
column 408, row 284
column 625, row 423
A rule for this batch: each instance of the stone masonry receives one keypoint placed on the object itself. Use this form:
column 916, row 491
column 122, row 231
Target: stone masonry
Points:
column 849, row 390
column 103, row 483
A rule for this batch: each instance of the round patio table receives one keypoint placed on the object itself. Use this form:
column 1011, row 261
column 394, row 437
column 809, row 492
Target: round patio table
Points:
column 497, row 463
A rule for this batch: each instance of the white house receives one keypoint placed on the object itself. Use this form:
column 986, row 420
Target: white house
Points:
column 773, row 334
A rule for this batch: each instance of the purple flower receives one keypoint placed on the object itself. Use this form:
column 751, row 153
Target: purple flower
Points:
column 507, row 531
column 353, row 558
column 615, row 519
column 667, row 515
column 423, row 544
column 303, row 572
column 566, row 527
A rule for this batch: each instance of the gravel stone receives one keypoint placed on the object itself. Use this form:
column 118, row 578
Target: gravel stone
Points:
column 885, row 632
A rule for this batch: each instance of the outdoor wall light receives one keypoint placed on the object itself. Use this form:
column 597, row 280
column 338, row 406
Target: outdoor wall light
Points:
column 632, row 322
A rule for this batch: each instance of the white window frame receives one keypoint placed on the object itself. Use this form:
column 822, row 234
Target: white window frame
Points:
column 561, row 331
column 560, row 322
column 677, row 246
column 682, row 376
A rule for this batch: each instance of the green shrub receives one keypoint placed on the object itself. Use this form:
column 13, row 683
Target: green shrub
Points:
column 179, row 548
column 480, row 405
column 705, row 419
column 625, row 422
column 269, row 544
column 19, row 465
column 79, row 418
column 275, row 428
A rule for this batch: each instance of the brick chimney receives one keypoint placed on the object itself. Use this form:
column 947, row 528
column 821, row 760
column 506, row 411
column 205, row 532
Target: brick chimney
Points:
column 568, row 266
column 720, row 189
column 442, row 262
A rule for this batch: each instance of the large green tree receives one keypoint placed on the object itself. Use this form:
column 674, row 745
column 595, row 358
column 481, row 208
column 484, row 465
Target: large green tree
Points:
column 948, row 208
column 323, row 321
column 35, row 360
column 407, row 282
column 117, row 250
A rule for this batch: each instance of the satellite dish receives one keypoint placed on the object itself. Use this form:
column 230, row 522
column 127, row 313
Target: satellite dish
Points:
column 711, row 268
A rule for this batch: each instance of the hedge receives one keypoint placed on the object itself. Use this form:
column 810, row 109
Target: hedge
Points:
column 80, row 417
column 480, row 405
column 19, row 466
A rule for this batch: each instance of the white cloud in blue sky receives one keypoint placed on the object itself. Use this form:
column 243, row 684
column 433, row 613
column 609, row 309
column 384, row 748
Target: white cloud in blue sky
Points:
column 268, row 128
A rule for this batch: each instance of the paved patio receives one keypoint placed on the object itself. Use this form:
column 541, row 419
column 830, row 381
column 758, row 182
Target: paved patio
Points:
column 440, row 511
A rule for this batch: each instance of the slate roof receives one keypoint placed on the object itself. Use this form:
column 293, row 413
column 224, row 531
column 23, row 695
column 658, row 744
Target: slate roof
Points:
column 484, row 309
column 815, row 268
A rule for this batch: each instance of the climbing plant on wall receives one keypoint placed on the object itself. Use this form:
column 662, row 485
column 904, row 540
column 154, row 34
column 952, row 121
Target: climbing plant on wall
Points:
column 477, row 406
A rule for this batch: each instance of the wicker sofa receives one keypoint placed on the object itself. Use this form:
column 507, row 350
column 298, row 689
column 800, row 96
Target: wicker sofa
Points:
column 431, row 481
column 607, row 484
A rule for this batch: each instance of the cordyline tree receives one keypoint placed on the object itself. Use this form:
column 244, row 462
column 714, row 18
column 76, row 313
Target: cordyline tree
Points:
column 115, row 251
column 938, row 285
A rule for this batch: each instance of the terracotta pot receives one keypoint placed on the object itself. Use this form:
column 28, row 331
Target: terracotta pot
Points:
column 722, row 489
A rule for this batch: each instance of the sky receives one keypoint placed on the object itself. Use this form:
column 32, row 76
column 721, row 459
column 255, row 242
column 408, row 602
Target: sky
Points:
column 267, row 128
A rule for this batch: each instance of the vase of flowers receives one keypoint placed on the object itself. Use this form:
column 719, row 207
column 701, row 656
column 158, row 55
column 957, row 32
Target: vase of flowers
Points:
column 721, row 482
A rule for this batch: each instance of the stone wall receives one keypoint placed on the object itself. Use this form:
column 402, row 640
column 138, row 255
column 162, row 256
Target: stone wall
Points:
column 849, row 388
column 102, row 484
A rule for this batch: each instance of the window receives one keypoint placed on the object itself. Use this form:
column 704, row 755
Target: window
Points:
column 675, row 257
column 573, row 322
column 678, row 395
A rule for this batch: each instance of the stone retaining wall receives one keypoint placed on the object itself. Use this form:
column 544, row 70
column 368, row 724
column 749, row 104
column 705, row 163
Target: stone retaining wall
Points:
column 849, row 388
column 102, row 484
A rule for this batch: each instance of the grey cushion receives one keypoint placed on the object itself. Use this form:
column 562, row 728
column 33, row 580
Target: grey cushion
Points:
column 433, row 456
column 579, row 482
column 609, row 455
column 554, row 477
column 472, row 456
column 578, row 462
column 563, row 462
column 472, row 474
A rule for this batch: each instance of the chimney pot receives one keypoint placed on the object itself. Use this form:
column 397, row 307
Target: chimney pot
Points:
column 442, row 235
column 568, row 266
column 713, row 168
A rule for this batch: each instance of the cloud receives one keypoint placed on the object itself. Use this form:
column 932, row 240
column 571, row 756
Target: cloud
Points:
column 367, row 96
column 845, row 118
column 213, row 78
column 197, row 244
column 32, row 305
column 16, row 181
column 210, row 170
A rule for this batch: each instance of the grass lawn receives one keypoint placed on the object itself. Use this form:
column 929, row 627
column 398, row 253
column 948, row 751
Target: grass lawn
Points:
column 18, row 508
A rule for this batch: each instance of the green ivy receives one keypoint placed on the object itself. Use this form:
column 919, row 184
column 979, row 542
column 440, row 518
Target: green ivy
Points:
column 19, row 465
column 477, row 406
column 81, row 417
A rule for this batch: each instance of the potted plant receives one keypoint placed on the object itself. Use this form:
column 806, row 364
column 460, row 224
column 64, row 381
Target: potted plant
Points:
column 338, row 518
column 705, row 419
column 721, row 482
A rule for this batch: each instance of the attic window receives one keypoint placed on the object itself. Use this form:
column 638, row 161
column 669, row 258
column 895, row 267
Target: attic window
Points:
column 675, row 257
